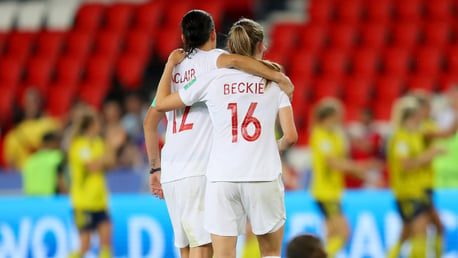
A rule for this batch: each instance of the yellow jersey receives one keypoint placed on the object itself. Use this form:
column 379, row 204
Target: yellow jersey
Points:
column 88, row 189
column 428, row 126
column 406, row 185
column 327, row 183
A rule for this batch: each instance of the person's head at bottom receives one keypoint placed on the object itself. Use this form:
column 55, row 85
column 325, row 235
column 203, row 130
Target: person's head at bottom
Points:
column 305, row 246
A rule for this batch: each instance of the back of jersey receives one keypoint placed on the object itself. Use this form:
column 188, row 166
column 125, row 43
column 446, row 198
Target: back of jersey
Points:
column 243, row 110
column 189, row 131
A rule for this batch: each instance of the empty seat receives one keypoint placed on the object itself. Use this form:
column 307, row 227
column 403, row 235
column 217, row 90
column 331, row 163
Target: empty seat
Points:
column 149, row 15
column 303, row 63
column 92, row 93
column 452, row 60
column 175, row 13
column 168, row 40
column 89, row 16
column 313, row 37
column 50, row 43
column 10, row 71
column 333, row 63
column 108, row 44
column 357, row 91
column 439, row 10
column 349, row 11
column 374, row 35
column 342, row 36
column 388, row 89
column 38, row 73
column 129, row 71
column 79, row 44
column 408, row 10
column 60, row 99
column 406, row 34
column 381, row 110
column 396, row 62
column 98, row 69
column 421, row 82
column 284, row 35
column 6, row 104
column 365, row 62
column 321, row 11
column 20, row 44
column 447, row 80
column 119, row 16
column 215, row 8
column 379, row 11
column 437, row 34
column 428, row 61
column 325, row 87
column 69, row 69
column 138, row 42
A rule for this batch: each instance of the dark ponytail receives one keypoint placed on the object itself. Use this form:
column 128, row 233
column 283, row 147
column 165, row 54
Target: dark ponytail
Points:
column 196, row 27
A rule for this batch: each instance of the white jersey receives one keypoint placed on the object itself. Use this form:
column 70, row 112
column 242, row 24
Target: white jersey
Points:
column 243, row 112
column 189, row 131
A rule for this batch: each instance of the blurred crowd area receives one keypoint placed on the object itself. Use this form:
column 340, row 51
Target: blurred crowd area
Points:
column 320, row 64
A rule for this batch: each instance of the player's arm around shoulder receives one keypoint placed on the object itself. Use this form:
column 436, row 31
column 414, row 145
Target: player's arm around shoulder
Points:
column 165, row 100
column 256, row 67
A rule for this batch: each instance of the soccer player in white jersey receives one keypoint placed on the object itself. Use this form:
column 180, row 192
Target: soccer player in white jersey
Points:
column 189, row 134
column 244, row 170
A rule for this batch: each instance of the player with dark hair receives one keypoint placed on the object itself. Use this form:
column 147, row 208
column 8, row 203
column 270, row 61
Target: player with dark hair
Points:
column 186, row 152
column 305, row 246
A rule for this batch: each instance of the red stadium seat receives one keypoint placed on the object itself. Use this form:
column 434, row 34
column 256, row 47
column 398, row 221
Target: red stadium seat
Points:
column 98, row 70
column 168, row 40
column 39, row 74
column 20, row 44
column 365, row 62
column 301, row 89
column 447, row 80
column 10, row 71
column 408, row 10
column 334, row 63
column 6, row 104
column 303, row 63
column 428, row 61
column 284, row 35
column 388, row 89
column 89, row 17
column 69, row 70
column 379, row 11
column 382, row 111
column 357, row 92
column 129, row 70
column 325, row 87
column 50, row 44
column 60, row 99
column 321, row 11
column 119, row 16
column 149, row 15
column 139, row 42
column 92, row 93
column 349, row 11
column 440, row 10
column 396, row 62
column 313, row 37
column 437, row 34
column 343, row 36
column 79, row 44
column 421, row 82
column 374, row 35
column 108, row 44
column 215, row 8
column 452, row 60
column 3, row 36
column 175, row 12
column 278, row 56
column 406, row 34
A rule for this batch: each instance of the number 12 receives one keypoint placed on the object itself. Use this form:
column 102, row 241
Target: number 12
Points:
column 249, row 118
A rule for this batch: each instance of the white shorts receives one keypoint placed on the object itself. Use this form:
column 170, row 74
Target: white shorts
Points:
column 185, row 201
column 229, row 204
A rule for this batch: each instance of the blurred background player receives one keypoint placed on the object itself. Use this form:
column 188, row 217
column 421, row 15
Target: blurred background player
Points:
column 408, row 160
column 329, row 165
column 191, row 127
column 43, row 172
column 252, row 174
column 305, row 246
column 89, row 157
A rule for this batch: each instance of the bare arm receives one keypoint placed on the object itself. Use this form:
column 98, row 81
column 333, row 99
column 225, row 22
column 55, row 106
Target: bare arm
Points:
column 288, row 127
column 114, row 139
column 441, row 134
column 150, row 125
column 166, row 101
column 408, row 164
column 254, row 66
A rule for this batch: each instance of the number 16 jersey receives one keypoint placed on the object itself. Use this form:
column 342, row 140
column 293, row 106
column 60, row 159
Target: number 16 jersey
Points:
column 189, row 131
column 243, row 111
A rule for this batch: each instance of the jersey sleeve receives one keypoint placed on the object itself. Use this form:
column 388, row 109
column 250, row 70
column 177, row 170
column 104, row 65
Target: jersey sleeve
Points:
column 284, row 100
column 196, row 90
column 215, row 53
